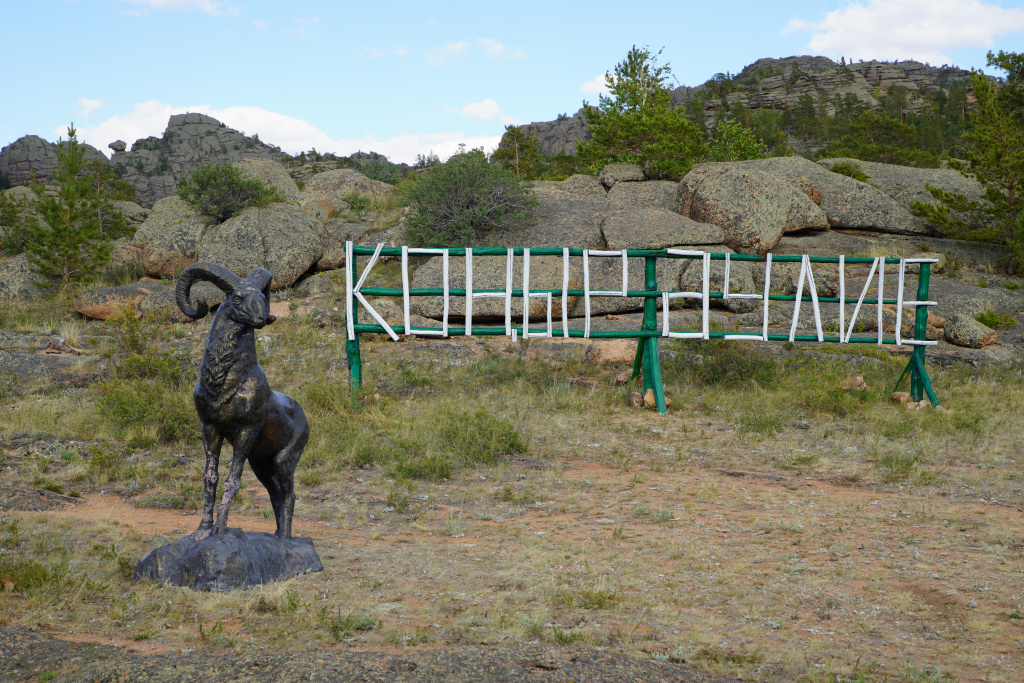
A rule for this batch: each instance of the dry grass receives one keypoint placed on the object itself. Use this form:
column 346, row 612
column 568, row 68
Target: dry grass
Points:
column 875, row 544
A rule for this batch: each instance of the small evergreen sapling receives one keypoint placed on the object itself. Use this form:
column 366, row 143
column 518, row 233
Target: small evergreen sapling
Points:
column 637, row 122
column 71, row 243
column 519, row 151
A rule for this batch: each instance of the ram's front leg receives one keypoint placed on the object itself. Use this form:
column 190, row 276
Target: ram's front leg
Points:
column 242, row 447
column 212, row 441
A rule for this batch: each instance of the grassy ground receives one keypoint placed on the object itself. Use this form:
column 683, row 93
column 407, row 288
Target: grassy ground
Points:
column 771, row 525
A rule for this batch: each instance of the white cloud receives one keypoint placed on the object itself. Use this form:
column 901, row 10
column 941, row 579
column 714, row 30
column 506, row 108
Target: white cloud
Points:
column 209, row 6
column 301, row 28
column 364, row 53
column 908, row 29
column 400, row 50
column 595, row 86
column 86, row 107
column 486, row 109
column 496, row 51
column 260, row 25
column 447, row 51
column 293, row 135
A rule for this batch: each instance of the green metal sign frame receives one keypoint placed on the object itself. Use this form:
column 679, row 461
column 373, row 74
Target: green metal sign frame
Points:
column 646, row 362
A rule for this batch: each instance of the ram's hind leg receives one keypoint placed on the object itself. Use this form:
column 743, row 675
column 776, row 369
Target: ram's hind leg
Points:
column 285, row 462
column 212, row 441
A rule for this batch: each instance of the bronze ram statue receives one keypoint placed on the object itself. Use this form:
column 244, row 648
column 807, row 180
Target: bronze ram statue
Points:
column 235, row 402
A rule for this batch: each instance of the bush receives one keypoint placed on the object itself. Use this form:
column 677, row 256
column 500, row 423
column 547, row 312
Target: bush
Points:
column 850, row 169
column 457, row 202
column 148, row 388
column 995, row 320
column 221, row 191
column 724, row 364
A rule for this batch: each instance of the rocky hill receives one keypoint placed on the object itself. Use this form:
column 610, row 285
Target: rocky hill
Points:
column 779, row 84
column 32, row 156
column 155, row 165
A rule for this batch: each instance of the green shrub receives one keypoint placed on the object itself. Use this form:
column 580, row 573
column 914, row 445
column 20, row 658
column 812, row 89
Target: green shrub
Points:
column 723, row 363
column 996, row 320
column 380, row 169
column 358, row 203
column 221, row 191
column 142, row 403
column 479, row 438
column 344, row 626
column 12, row 224
column 461, row 200
column 850, row 169
column 430, row 467
column 148, row 387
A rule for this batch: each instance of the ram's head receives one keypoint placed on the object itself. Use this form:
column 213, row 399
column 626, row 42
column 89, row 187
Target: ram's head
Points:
column 246, row 299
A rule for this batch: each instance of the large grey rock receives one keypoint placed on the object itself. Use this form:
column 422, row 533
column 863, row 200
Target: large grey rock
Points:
column 17, row 279
column 613, row 174
column 170, row 237
column 740, row 279
column 161, row 306
column 489, row 272
column 962, row 330
column 322, row 206
column 558, row 221
column 279, row 237
column 785, row 278
column 659, row 194
column 343, row 181
column 270, row 172
column 133, row 213
column 31, row 156
column 847, row 203
column 228, row 561
column 606, row 275
column 753, row 207
column 104, row 303
column 335, row 234
column 652, row 228
column 907, row 185
column 584, row 186
column 967, row 299
column 155, row 165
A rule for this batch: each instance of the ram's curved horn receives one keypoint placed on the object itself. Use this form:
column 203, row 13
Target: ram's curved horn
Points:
column 210, row 272
column 261, row 277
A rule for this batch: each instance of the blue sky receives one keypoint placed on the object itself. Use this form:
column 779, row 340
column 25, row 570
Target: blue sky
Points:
column 405, row 78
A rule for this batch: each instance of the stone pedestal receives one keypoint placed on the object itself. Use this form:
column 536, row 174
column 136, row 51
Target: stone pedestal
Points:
column 228, row 561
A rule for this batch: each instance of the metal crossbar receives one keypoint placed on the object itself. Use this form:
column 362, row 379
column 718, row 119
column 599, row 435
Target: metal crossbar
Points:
column 646, row 363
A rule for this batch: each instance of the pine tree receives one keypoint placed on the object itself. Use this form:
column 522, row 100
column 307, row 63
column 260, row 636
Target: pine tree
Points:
column 519, row 152
column 69, row 244
column 637, row 122
column 994, row 154
column 733, row 142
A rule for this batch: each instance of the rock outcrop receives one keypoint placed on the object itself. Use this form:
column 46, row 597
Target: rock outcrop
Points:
column 847, row 203
column 279, row 237
column 906, row 184
column 752, row 206
column 155, row 165
column 778, row 84
column 170, row 237
column 560, row 136
column 17, row 279
column 964, row 331
column 30, row 156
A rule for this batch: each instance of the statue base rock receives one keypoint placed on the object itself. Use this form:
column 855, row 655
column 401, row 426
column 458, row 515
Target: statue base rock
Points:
column 229, row 560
